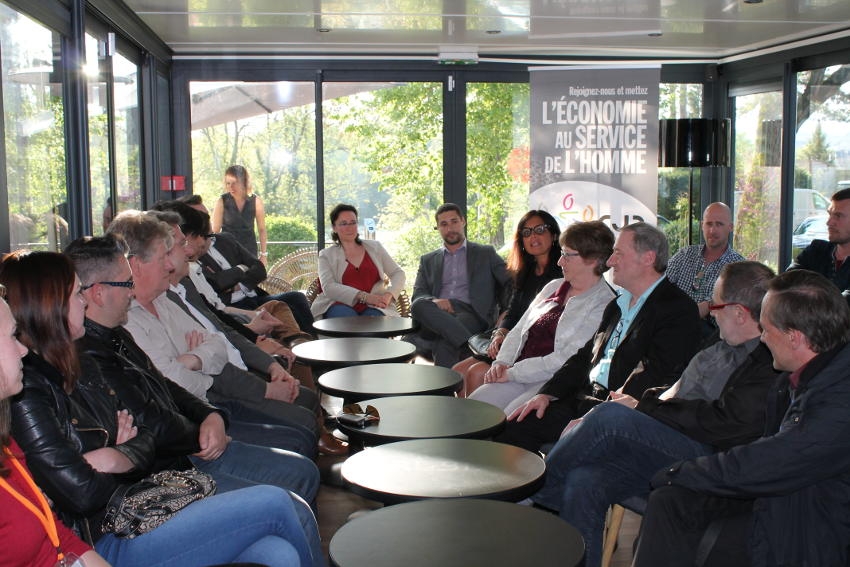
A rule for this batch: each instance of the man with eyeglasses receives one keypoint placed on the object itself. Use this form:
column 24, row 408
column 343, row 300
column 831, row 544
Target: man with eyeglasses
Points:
column 829, row 257
column 647, row 336
column 459, row 290
column 718, row 402
column 695, row 268
column 781, row 500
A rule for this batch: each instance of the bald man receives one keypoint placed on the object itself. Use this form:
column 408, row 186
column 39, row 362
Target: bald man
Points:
column 694, row 269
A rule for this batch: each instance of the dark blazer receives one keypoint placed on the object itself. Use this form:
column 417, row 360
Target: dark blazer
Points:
column 223, row 280
column 817, row 257
column 736, row 417
column 798, row 474
column 659, row 344
column 489, row 282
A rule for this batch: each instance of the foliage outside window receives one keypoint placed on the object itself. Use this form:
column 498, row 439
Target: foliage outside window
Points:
column 34, row 133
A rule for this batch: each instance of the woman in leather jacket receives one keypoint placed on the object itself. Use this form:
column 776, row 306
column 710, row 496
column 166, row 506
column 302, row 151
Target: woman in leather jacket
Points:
column 80, row 452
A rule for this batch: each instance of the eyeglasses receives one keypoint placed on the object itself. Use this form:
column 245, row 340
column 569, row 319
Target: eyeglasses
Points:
column 347, row 223
column 525, row 232
column 566, row 254
column 128, row 284
column 719, row 306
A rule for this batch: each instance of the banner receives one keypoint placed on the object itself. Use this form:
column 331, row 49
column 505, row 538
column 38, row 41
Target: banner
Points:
column 594, row 144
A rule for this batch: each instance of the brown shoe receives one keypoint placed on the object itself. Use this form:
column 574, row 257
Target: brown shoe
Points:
column 330, row 445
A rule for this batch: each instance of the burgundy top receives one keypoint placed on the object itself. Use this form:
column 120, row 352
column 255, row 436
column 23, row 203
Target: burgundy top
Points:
column 363, row 278
column 541, row 335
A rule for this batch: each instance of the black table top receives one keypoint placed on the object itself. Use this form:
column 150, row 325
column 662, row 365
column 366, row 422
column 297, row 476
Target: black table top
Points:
column 364, row 326
column 427, row 417
column 444, row 468
column 356, row 383
column 336, row 353
column 456, row 533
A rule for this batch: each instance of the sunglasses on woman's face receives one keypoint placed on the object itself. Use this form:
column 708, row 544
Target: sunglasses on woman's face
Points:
column 538, row 230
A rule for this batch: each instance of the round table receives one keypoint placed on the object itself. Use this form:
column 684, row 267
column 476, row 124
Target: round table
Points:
column 456, row 533
column 382, row 327
column 427, row 417
column 336, row 353
column 444, row 468
column 355, row 383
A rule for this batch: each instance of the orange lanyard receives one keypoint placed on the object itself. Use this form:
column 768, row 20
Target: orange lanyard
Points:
column 45, row 516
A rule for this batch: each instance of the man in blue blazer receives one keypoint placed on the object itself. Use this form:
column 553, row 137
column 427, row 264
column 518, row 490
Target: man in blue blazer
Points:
column 458, row 291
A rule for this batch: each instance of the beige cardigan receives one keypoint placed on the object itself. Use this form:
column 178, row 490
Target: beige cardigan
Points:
column 332, row 265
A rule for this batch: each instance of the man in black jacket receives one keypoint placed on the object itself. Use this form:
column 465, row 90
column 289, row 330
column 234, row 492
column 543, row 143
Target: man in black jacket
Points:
column 646, row 337
column 781, row 500
column 184, row 424
column 830, row 258
column 719, row 402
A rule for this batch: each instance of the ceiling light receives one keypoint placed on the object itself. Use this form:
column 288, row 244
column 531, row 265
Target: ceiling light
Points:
column 323, row 30
column 753, row 1
column 493, row 32
column 655, row 34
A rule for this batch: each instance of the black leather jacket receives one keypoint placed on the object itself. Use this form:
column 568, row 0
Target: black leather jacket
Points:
column 55, row 429
column 169, row 411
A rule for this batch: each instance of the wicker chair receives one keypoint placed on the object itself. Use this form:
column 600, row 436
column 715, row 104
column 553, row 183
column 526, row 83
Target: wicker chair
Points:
column 402, row 303
column 294, row 271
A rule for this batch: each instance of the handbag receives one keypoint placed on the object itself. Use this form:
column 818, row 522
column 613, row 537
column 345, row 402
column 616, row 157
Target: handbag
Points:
column 136, row 509
column 478, row 346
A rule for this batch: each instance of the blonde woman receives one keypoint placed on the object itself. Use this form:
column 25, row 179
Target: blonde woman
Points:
column 237, row 210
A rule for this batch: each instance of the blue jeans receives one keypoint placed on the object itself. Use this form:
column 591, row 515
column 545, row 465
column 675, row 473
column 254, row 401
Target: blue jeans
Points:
column 340, row 310
column 609, row 457
column 257, row 524
column 242, row 465
column 276, row 436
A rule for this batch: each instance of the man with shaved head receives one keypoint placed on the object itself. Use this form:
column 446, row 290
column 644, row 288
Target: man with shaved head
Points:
column 694, row 269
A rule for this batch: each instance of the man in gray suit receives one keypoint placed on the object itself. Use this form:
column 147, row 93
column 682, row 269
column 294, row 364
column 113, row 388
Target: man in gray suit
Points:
column 458, row 291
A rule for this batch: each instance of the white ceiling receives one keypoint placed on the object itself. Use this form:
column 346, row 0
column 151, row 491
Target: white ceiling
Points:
column 690, row 29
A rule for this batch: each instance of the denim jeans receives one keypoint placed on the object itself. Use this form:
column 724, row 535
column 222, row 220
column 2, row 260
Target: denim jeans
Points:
column 340, row 310
column 257, row 524
column 242, row 465
column 609, row 457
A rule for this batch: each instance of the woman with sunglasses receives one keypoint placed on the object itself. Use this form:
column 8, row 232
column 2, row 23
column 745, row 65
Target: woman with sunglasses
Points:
column 559, row 321
column 81, row 448
column 533, row 261
column 357, row 276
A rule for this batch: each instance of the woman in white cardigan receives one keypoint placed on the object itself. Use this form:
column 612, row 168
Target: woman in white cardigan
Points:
column 559, row 321
column 357, row 276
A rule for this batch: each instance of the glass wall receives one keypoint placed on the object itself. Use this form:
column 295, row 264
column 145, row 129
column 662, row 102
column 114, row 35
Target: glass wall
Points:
column 383, row 153
column 822, row 150
column 114, row 132
column 758, row 143
column 33, row 114
column 675, row 209
column 497, row 160
column 270, row 129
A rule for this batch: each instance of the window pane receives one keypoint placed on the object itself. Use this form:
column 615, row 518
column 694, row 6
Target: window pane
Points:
column 822, row 153
column 384, row 155
column 679, row 100
column 758, row 143
column 270, row 129
column 35, row 140
column 128, row 142
column 497, row 162
column 103, row 209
